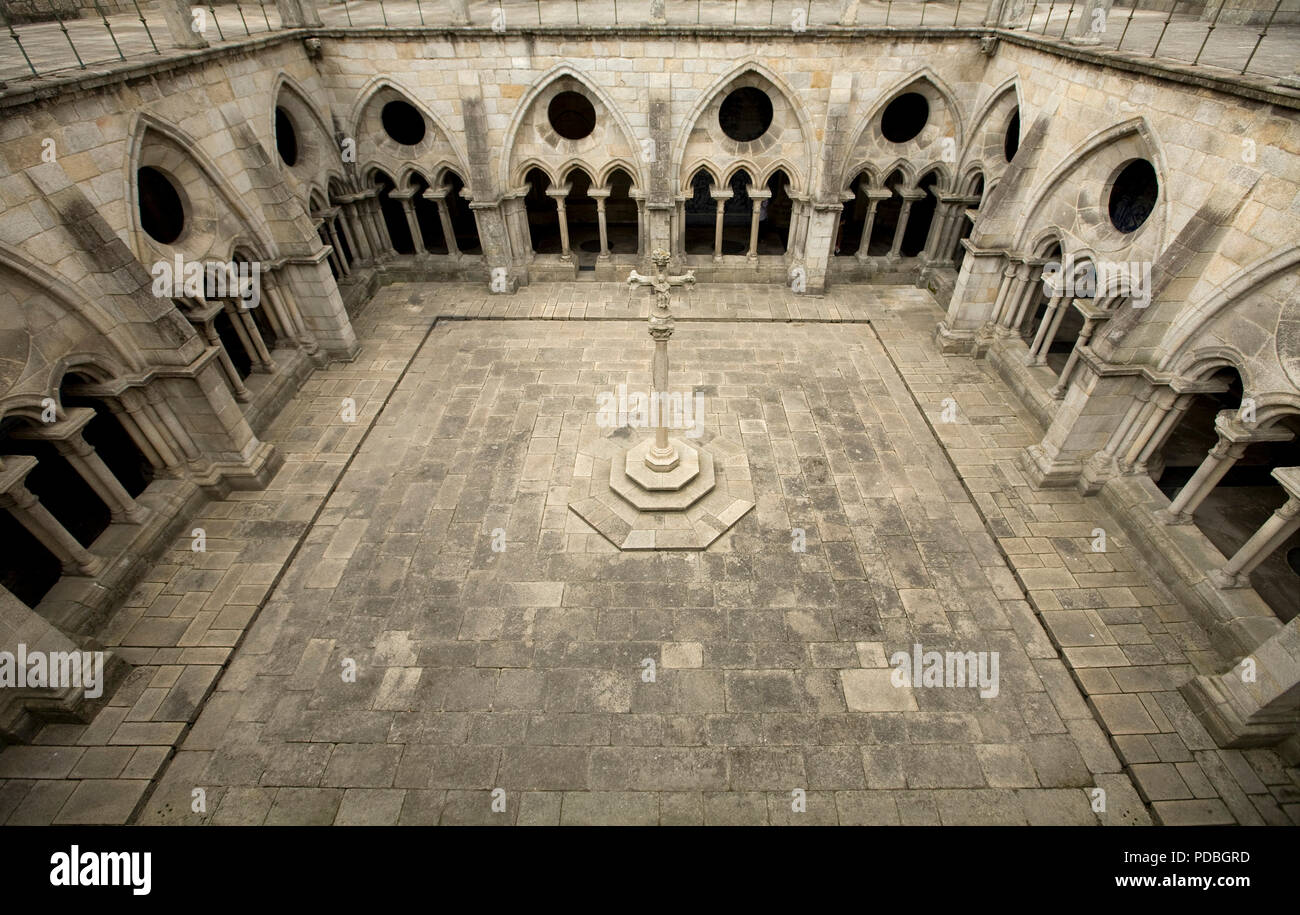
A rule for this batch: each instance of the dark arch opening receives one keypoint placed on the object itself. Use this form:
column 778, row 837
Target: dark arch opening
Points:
column 60, row 488
column 919, row 217
column 286, row 138
column 230, row 339
column 1011, row 142
column 27, row 569
column 580, row 211
column 700, row 213
column 853, row 218
column 774, row 216
column 745, row 114
column 1038, row 313
column 463, row 224
column 1244, row 498
column 737, row 214
column 110, row 440
column 572, row 115
column 905, row 117
column 543, row 217
column 403, row 122
column 622, row 218
column 1133, row 195
column 399, row 231
column 968, row 225
column 258, row 313
column 427, row 218
column 162, row 214
column 887, row 212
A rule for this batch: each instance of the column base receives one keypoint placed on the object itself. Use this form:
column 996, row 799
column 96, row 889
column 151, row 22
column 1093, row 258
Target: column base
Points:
column 1169, row 518
column 953, row 342
column 1220, row 711
column 1045, row 472
column 1225, row 582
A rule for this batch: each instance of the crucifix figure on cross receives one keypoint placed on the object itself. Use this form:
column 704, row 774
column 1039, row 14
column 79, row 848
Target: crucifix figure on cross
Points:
column 663, row 456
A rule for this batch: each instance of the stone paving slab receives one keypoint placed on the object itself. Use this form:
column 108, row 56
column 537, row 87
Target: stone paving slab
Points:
column 525, row 669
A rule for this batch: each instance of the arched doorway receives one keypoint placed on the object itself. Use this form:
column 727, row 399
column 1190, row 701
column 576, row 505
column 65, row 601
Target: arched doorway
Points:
column 888, row 211
column 919, row 216
column 463, row 224
column 853, row 217
column 583, row 220
column 543, row 217
column 774, row 215
column 399, row 232
column 622, row 217
column 700, row 212
column 737, row 215
column 426, row 217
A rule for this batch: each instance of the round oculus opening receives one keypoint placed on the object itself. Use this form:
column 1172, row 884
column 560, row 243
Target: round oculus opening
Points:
column 905, row 117
column 1011, row 144
column 745, row 114
column 572, row 115
column 402, row 122
column 162, row 214
column 286, row 138
column 1133, row 195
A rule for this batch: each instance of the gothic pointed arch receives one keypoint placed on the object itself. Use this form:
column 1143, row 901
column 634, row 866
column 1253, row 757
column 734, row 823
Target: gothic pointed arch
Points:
column 931, row 111
column 212, row 212
column 787, row 138
column 1075, row 194
column 436, row 142
column 533, row 137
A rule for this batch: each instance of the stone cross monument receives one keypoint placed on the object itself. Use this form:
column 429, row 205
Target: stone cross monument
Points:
column 662, row 457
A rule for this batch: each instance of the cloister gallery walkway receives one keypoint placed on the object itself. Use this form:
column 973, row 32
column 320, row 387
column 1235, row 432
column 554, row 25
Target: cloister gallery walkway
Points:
column 409, row 625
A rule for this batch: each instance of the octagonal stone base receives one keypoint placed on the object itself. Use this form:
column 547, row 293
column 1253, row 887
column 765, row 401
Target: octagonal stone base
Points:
column 644, row 471
column 690, row 508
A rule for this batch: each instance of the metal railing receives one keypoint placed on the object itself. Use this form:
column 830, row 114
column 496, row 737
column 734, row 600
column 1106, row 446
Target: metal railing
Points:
column 109, row 32
column 1181, row 31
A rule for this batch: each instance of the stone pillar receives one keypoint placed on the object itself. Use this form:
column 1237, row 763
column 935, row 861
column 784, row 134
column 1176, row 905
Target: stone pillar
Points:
column 439, row 200
column 157, row 401
column 720, row 199
column 1089, row 22
column 66, row 436
column 1090, row 322
column 341, row 261
column 284, row 300
column 360, row 231
column 756, row 198
column 1028, row 296
column 1171, row 407
column 417, row 238
column 1273, row 533
column 298, row 13
column 31, row 514
column 559, row 194
column 600, row 195
column 133, row 406
column 873, row 199
column 204, row 320
column 1253, row 705
column 908, row 197
column 459, row 12
column 1047, row 328
column 1234, row 437
column 180, row 24
column 374, row 212
column 1016, row 290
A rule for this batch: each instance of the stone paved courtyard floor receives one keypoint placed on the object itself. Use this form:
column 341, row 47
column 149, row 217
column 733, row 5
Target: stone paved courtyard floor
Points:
column 498, row 642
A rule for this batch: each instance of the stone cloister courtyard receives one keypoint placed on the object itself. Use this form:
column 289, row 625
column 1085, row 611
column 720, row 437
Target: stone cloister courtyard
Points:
column 411, row 625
